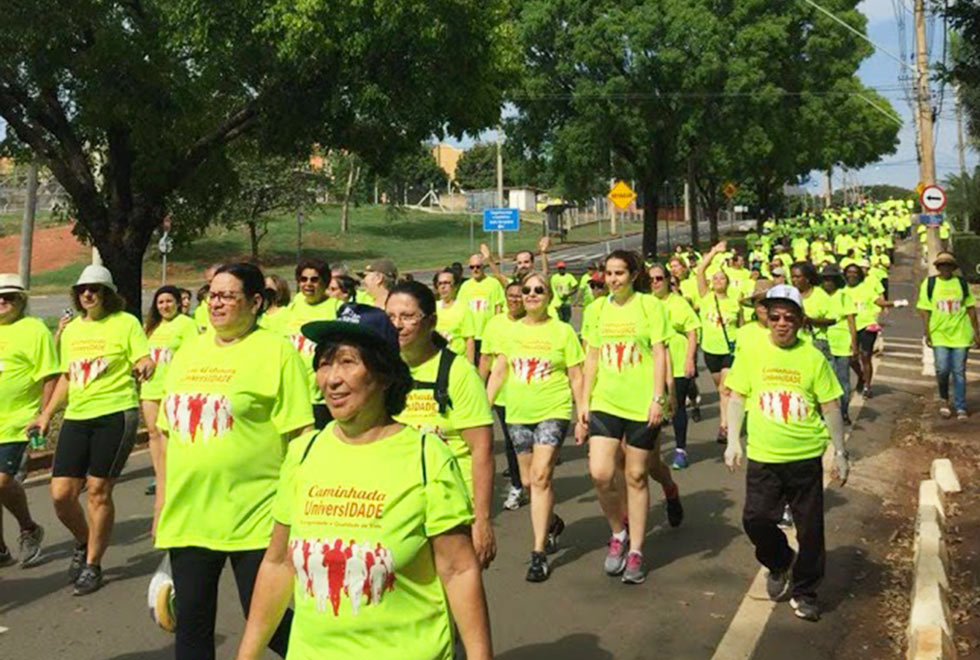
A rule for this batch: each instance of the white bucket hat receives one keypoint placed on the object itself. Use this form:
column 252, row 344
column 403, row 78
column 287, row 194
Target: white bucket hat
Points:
column 96, row 275
column 11, row 283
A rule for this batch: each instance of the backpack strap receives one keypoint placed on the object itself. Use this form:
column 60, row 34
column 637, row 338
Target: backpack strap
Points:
column 309, row 446
column 440, row 387
column 930, row 287
column 425, row 474
column 964, row 287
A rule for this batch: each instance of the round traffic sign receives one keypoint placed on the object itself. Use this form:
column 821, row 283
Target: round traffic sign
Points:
column 933, row 198
column 165, row 244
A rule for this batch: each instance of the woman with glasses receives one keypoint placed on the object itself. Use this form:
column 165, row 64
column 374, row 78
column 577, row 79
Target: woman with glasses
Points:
column 448, row 399
column 682, row 346
column 541, row 360
column 235, row 397
column 166, row 331
column 454, row 321
column 626, row 393
column 27, row 376
column 310, row 304
column 104, row 355
column 719, row 322
column 371, row 536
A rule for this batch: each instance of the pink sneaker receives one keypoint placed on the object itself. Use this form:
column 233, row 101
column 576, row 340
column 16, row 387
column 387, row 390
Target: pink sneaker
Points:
column 634, row 573
column 616, row 557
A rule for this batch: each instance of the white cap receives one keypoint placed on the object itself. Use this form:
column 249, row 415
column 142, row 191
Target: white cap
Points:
column 11, row 283
column 785, row 292
column 96, row 275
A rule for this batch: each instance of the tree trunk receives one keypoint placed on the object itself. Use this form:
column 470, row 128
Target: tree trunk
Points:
column 345, row 206
column 713, row 209
column 692, row 193
column 122, row 253
column 253, row 239
column 651, row 204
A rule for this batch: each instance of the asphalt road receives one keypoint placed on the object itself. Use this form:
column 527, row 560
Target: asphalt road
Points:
column 699, row 573
column 53, row 305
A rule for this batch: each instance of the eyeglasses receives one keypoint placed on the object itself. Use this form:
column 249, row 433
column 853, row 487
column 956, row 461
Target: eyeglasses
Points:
column 444, row 283
column 314, row 279
column 225, row 296
column 536, row 289
column 475, row 266
column 405, row 319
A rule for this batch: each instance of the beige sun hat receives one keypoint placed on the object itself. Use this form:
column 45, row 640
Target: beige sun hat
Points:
column 94, row 274
column 11, row 283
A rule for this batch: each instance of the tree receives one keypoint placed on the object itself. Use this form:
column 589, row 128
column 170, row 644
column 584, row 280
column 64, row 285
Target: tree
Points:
column 964, row 16
column 477, row 167
column 132, row 104
column 414, row 172
column 266, row 186
column 963, row 193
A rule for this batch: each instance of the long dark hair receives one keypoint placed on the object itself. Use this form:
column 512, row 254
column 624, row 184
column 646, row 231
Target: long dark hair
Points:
column 426, row 301
column 634, row 264
column 112, row 302
column 154, row 318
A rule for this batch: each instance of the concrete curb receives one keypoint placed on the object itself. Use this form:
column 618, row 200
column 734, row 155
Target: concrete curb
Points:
column 930, row 631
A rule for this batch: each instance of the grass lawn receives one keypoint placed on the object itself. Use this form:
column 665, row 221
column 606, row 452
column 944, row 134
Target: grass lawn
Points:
column 10, row 222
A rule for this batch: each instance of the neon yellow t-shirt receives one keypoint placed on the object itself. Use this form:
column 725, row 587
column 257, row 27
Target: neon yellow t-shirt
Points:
column 949, row 324
column 682, row 319
column 839, row 307
column 538, row 357
column 624, row 336
column 297, row 315
column 783, row 388
column 749, row 337
column 275, row 321
column 164, row 342
column 469, row 408
column 815, row 307
column 27, row 358
column 864, row 296
column 202, row 316
column 98, row 357
column 689, row 289
column 712, row 332
column 365, row 298
column 585, row 289
column 485, row 300
column 562, row 287
column 360, row 518
column 494, row 335
column 226, row 411
column 455, row 324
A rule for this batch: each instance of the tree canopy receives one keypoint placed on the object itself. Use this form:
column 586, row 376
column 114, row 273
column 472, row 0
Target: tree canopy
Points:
column 131, row 104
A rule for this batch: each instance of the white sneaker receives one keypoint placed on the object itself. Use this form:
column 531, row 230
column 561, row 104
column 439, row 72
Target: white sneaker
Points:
column 515, row 499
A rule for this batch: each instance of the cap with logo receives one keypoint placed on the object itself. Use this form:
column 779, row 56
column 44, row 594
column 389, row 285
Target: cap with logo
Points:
column 358, row 323
column 784, row 293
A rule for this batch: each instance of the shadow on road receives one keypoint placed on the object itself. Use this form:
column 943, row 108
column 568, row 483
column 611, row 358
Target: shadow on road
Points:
column 581, row 645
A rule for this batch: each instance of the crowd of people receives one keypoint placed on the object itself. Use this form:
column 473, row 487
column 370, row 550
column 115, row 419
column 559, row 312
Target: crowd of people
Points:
column 341, row 438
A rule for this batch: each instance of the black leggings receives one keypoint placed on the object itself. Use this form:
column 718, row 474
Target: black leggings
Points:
column 682, row 387
column 512, row 466
column 196, row 572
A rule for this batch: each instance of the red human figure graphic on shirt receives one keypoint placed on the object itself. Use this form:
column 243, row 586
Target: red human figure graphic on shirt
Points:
column 335, row 560
column 368, row 563
column 385, row 555
column 306, row 551
column 784, row 398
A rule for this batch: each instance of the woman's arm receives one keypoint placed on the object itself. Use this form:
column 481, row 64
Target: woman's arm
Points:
column 470, row 349
column 459, row 572
column 703, row 288
column 480, row 441
column 588, row 382
column 270, row 596
column 656, row 413
column 576, row 379
column 692, row 353
column 852, row 329
column 56, row 401
column 497, row 375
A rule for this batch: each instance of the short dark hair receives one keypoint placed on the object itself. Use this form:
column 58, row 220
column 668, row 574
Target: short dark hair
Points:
column 112, row 302
column 319, row 265
column 252, row 279
column 280, row 293
column 383, row 363
column 426, row 301
column 808, row 270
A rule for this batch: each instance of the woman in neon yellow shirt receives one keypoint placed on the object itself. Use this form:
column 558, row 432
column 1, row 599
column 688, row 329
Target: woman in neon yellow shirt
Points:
column 456, row 410
column 626, row 387
column 234, row 398
column 541, row 359
column 166, row 330
column 104, row 355
column 371, row 537
column 720, row 319
column 454, row 320
column 868, row 297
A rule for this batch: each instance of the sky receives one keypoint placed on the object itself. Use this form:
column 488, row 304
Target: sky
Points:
column 882, row 72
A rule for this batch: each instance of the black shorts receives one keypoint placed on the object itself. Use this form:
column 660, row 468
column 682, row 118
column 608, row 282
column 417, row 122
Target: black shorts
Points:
column 97, row 447
column 716, row 362
column 866, row 340
column 637, row 434
column 11, row 455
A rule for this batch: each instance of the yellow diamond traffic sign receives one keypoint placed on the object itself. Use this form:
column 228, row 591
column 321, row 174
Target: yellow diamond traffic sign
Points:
column 730, row 189
column 621, row 195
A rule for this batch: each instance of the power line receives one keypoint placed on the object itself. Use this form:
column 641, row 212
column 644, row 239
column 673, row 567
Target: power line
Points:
column 857, row 32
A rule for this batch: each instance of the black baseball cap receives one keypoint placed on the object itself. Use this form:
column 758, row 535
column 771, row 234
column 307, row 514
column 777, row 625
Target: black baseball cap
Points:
column 361, row 324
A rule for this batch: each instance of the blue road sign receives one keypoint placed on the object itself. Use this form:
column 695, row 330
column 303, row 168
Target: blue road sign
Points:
column 501, row 220
column 933, row 219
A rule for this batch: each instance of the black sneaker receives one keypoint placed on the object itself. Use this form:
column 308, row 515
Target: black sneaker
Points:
column 539, row 570
column 847, row 420
column 806, row 608
column 78, row 558
column 151, row 489
column 6, row 559
column 554, row 531
column 696, row 414
column 777, row 583
column 675, row 512
column 89, row 580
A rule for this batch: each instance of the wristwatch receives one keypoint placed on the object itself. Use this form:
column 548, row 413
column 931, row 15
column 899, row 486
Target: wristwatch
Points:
column 662, row 399
column 844, row 454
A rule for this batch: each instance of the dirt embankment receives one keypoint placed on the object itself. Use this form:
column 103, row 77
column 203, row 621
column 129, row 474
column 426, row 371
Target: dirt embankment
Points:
column 54, row 247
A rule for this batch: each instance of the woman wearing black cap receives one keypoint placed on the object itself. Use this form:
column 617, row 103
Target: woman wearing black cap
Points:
column 371, row 540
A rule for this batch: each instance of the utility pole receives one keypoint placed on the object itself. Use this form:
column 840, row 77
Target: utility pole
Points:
column 959, row 130
column 500, row 190
column 927, row 167
column 27, row 226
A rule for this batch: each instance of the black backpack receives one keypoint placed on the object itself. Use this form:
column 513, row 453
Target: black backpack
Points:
column 931, row 287
column 440, row 388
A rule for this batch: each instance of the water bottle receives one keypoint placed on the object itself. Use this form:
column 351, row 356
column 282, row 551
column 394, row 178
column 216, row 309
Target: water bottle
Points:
column 35, row 438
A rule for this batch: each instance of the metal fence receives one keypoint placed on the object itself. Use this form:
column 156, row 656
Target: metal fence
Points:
column 13, row 193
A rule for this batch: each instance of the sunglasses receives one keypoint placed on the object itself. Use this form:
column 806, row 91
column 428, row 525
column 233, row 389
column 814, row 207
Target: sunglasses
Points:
column 789, row 318
column 657, row 278
column 536, row 289
column 475, row 267
column 10, row 297
column 89, row 288
column 314, row 279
